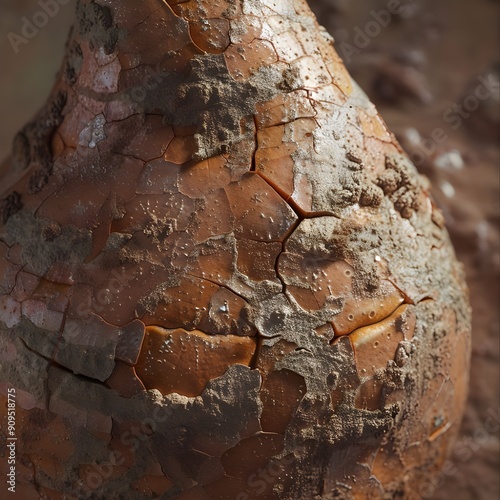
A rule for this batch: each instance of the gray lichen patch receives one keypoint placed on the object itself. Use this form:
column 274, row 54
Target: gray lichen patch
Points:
column 179, row 431
column 73, row 60
column 212, row 100
column 324, row 428
column 69, row 245
column 401, row 183
column 96, row 24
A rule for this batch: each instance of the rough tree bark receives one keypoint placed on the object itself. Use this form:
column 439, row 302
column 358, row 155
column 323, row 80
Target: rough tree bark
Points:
column 221, row 277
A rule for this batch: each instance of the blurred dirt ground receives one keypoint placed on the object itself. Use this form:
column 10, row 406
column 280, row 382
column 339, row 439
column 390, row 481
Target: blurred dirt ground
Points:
column 424, row 67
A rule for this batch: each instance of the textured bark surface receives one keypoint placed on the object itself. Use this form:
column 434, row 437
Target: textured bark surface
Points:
column 221, row 276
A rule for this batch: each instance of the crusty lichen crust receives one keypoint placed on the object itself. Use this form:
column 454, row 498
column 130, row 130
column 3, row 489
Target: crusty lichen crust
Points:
column 221, row 278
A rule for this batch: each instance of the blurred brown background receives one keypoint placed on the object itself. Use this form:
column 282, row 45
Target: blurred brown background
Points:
column 431, row 67
column 27, row 76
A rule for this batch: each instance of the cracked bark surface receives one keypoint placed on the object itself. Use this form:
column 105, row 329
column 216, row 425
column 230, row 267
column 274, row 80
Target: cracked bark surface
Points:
column 220, row 275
